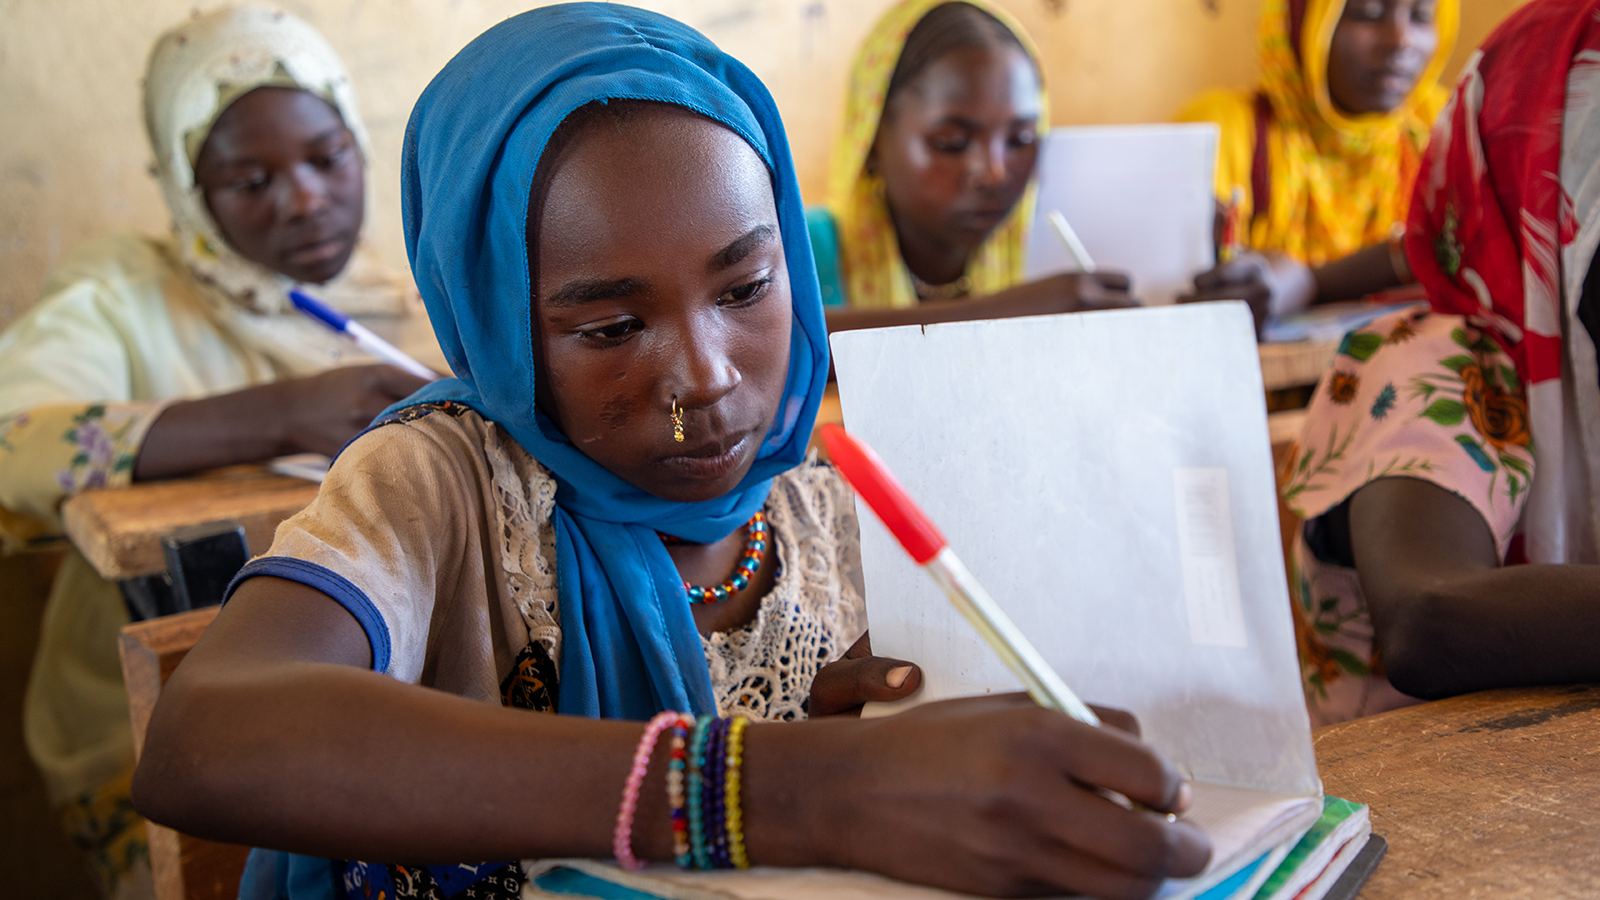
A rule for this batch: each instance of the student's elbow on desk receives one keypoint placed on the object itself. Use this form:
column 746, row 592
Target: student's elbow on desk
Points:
column 1421, row 551
column 1422, row 640
column 177, row 777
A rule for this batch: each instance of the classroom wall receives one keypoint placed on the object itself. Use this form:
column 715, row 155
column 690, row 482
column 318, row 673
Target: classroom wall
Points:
column 74, row 161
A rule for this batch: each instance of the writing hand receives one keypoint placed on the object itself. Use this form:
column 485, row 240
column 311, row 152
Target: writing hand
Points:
column 1067, row 292
column 322, row 412
column 1271, row 285
column 998, row 796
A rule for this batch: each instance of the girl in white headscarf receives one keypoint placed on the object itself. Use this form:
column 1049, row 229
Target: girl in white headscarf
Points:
column 151, row 356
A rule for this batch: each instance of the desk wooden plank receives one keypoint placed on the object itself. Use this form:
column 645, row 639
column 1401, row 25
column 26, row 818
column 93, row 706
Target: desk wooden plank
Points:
column 1489, row 795
column 1297, row 364
column 119, row 531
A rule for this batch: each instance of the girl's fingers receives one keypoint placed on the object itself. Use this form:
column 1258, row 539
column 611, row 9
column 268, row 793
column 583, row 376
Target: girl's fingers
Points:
column 1114, row 760
column 1069, row 868
column 843, row 686
column 1129, row 841
column 1113, row 281
column 1119, row 719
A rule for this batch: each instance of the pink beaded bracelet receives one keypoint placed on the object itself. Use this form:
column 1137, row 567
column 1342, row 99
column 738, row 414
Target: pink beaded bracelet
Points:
column 622, row 837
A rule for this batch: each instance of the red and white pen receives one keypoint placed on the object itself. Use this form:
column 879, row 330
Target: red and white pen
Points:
column 873, row 481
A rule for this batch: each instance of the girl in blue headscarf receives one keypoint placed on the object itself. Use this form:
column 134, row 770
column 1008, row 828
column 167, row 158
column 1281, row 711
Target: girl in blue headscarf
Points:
column 608, row 515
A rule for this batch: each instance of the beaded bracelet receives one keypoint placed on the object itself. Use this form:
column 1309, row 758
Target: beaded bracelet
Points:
column 715, row 808
column 622, row 837
column 735, row 816
column 676, row 772
column 696, row 792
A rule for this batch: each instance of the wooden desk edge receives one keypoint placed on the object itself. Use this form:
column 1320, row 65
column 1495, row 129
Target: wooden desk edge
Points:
column 122, row 540
column 1295, row 364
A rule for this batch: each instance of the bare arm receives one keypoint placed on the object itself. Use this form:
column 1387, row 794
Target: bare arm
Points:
column 1366, row 271
column 269, row 731
column 273, row 733
column 1449, row 618
column 297, row 415
column 1071, row 292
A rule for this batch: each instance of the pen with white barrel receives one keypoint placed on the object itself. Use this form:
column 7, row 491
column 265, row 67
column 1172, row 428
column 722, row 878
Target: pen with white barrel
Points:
column 1080, row 253
column 359, row 334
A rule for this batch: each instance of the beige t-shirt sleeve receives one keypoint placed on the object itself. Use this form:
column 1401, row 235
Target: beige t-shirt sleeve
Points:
column 397, row 537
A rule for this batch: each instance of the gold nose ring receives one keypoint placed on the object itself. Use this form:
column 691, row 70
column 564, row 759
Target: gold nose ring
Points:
column 677, row 421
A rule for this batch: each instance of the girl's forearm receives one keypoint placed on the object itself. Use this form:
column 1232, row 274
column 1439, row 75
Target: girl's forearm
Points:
column 1502, row 627
column 1447, row 617
column 267, row 759
column 274, row 733
column 221, row 430
column 1366, row 271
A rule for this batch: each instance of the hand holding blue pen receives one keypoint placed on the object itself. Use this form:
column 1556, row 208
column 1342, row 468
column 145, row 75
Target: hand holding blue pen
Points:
column 360, row 334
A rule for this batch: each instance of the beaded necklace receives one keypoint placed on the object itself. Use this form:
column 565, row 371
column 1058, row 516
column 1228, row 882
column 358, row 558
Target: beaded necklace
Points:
column 925, row 292
column 755, row 548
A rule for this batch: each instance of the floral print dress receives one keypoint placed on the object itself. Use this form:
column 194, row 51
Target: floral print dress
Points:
column 1417, row 395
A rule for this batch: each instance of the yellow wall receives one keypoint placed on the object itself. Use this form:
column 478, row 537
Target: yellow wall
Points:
column 73, row 158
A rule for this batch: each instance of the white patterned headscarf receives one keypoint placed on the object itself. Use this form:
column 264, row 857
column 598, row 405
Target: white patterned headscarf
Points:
column 196, row 70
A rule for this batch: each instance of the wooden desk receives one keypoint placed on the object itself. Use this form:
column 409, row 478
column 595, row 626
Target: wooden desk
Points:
column 1488, row 795
column 119, row 531
column 1298, row 364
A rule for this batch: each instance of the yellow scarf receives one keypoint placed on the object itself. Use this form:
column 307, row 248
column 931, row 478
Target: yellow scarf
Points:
column 874, row 275
column 1339, row 183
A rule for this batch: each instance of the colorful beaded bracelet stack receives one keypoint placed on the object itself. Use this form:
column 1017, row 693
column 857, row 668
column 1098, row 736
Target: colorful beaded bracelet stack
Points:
column 705, row 760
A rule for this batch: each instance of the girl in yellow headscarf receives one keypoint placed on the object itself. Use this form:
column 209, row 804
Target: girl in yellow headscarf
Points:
column 931, row 191
column 1316, row 163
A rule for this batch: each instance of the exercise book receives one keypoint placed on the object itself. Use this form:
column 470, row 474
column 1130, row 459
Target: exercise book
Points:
column 1141, row 197
column 1108, row 478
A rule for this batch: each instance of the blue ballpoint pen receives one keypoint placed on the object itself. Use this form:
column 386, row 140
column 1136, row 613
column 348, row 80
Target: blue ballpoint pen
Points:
column 360, row 334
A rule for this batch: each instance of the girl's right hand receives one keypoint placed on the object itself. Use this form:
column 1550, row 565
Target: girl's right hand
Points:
column 1272, row 284
column 321, row 413
column 1066, row 292
column 986, row 795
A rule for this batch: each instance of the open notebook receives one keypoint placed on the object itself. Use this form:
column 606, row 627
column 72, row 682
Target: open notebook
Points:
column 1108, row 477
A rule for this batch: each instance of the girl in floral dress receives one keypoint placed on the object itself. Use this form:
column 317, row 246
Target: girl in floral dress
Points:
column 1449, row 468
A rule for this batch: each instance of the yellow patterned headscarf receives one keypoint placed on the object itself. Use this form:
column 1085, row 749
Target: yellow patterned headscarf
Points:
column 874, row 275
column 1338, row 182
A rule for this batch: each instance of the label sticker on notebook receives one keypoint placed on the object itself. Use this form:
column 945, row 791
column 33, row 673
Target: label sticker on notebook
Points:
column 1210, row 567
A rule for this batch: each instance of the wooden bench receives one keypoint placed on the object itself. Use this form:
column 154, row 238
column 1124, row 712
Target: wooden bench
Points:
column 185, row 867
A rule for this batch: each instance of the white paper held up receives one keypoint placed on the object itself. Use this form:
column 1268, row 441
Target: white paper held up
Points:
column 1108, row 477
column 1139, row 196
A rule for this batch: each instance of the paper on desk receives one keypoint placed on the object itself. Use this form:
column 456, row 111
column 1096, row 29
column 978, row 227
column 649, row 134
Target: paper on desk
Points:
column 310, row 466
column 1108, row 477
column 1140, row 196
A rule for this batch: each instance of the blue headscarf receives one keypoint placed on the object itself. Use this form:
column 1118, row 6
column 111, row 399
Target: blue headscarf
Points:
column 629, row 644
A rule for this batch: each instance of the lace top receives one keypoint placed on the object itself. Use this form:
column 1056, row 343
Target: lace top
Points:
column 439, row 477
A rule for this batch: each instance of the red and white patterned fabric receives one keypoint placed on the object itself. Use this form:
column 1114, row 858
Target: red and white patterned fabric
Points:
column 1493, row 394
column 1498, row 235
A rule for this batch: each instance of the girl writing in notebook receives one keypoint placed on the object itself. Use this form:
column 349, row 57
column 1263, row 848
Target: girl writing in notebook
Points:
column 932, row 182
column 450, row 655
